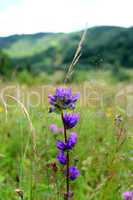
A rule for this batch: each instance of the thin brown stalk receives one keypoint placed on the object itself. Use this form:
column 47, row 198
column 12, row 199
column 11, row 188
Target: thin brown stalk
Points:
column 29, row 120
column 5, row 107
column 76, row 57
column 67, row 171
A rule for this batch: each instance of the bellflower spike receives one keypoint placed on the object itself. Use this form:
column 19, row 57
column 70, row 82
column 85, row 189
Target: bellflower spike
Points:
column 63, row 99
column 61, row 157
column 128, row 195
column 70, row 120
column 73, row 173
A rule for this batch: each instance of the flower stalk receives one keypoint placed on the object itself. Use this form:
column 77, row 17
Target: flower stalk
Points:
column 67, row 162
column 60, row 101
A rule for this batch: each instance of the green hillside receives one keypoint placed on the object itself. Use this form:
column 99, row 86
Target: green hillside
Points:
column 50, row 51
column 5, row 64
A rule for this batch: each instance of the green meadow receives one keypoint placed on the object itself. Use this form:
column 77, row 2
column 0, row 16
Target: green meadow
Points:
column 103, row 153
column 31, row 67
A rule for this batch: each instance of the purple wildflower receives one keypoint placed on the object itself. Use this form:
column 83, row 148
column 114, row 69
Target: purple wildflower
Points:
column 128, row 195
column 60, row 101
column 61, row 145
column 72, row 140
column 63, row 99
column 70, row 120
column 53, row 128
column 73, row 172
column 61, row 157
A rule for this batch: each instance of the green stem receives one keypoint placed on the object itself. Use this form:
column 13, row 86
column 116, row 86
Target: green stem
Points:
column 67, row 174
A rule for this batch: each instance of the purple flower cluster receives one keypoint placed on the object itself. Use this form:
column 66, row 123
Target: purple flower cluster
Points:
column 61, row 157
column 63, row 99
column 60, row 101
column 128, row 195
column 62, row 146
column 71, row 141
column 73, row 172
column 70, row 120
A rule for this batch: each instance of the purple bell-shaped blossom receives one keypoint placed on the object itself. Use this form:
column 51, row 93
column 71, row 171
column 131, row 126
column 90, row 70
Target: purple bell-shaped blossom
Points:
column 70, row 120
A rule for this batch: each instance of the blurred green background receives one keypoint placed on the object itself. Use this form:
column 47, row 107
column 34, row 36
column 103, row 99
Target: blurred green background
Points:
column 44, row 57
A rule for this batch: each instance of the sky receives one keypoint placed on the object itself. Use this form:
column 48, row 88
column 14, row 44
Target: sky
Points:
column 31, row 16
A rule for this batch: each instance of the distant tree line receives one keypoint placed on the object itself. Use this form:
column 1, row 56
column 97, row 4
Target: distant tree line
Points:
column 107, row 47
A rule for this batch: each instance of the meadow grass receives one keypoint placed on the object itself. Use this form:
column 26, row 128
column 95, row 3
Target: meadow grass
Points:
column 103, row 152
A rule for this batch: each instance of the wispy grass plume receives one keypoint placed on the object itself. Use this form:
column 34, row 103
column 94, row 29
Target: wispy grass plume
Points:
column 76, row 57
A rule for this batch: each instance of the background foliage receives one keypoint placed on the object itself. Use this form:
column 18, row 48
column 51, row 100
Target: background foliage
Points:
column 105, row 47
